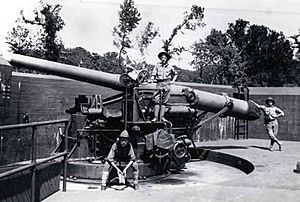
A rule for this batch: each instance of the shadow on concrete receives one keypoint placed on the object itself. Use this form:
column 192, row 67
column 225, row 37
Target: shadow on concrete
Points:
column 259, row 147
column 171, row 181
column 222, row 147
column 222, row 158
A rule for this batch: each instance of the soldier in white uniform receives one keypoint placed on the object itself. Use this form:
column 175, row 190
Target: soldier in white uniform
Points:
column 271, row 114
column 165, row 75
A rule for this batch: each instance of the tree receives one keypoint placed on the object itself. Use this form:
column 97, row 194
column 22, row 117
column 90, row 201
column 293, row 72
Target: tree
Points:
column 238, row 33
column 25, row 40
column 187, row 75
column 19, row 40
column 296, row 45
column 218, row 60
column 80, row 57
column 191, row 21
column 268, row 54
column 110, row 63
column 145, row 38
column 296, row 62
column 46, row 43
column 129, row 18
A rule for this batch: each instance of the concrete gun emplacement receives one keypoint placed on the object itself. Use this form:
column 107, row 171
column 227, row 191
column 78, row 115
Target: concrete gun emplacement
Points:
column 185, row 110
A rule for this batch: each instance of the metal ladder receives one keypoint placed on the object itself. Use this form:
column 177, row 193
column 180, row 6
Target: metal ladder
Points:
column 240, row 125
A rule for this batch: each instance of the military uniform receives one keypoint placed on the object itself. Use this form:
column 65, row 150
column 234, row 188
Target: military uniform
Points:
column 120, row 155
column 163, row 74
column 271, row 123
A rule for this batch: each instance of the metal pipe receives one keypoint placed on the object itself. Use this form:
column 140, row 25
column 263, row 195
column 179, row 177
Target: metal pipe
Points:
column 72, row 150
column 112, row 101
column 33, row 162
column 51, row 158
column 32, row 124
column 26, row 167
column 67, row 129
column 14, row 171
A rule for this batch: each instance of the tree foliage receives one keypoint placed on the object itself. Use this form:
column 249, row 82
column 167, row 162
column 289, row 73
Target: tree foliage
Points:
column 145, row 38
column 80, row 57
column 191, row 21
column 25, row 40
column 296, row 45
column 45, row 24
column 245, row 54
column 218, row 60
column 19, row 39
column 129, row 18
column 51, row 22
column 268, row 54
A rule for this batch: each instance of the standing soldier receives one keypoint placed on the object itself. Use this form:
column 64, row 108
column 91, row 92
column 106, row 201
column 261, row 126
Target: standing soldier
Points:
column 271, row 114
column 165, row 75
column 121, row 152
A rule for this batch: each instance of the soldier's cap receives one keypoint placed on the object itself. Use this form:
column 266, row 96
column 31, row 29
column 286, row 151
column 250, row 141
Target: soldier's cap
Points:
column 270, row 99
column 136, row 128
column 164, row 53
column 124, row 134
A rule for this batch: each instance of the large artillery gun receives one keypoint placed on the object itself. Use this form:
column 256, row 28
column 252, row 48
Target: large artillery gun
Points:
column 132, row 108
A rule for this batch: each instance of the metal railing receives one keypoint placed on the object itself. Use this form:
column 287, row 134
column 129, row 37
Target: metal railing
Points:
column 32, row 166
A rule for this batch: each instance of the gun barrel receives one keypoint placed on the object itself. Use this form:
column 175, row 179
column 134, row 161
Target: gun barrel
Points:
column 211, row 102
column 67, row 71
column 199, row 99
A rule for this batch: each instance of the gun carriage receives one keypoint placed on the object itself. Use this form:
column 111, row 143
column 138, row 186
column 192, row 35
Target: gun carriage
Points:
column 102, row 119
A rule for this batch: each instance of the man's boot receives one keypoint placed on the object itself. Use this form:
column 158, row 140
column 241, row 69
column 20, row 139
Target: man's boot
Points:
column 104, row 179
column 271, row 144
column 103, row 187
column 136, row 180
column 279, row 145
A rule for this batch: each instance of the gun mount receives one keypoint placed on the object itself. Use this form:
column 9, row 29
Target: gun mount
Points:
column 132, row 109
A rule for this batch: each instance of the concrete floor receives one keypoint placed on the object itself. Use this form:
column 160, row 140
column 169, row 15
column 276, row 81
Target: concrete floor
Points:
column 272, row 180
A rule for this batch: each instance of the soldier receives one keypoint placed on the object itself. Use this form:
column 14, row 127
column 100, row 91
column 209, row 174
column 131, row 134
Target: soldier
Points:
column 165, row 75
column 271, row 114
column 121, row 152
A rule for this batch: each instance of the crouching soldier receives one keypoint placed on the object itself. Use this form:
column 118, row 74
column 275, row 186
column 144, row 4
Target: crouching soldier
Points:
column 121, row 152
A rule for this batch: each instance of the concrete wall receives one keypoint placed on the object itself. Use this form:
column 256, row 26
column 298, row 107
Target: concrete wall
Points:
column 46, row 97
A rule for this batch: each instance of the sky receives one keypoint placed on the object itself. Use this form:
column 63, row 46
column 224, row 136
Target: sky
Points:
column 89, row 23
